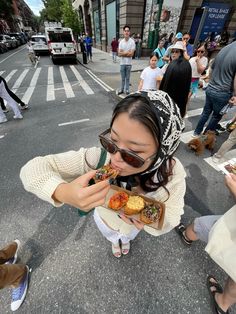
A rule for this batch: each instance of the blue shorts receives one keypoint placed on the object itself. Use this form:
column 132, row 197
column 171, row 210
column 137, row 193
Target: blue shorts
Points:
column 203, row 225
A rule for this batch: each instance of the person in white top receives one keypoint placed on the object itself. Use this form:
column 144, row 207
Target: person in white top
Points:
column 125, row 52
column 151, row 76
column 31, row 53
column 198, row 65
column 218, row 233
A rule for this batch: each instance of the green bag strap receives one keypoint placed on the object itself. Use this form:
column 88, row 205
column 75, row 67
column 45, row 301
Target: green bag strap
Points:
column 101, row 163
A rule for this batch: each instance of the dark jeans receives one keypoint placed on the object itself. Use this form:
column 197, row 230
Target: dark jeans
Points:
column 215, row 101
column 125, row 77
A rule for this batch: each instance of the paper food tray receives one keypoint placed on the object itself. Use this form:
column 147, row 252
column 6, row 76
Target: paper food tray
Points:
column 156, row 225
column 225, row 166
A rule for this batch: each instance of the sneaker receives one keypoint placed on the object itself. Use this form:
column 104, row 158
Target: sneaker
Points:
column 180, row 229
column 19, row 293
column 194, row 135
column 2, row 120
column 19, row 116
column 24, row 107
column 13, row 259
column 216, row 158
column 127, row 92
column 220, row 129
column 120, row 92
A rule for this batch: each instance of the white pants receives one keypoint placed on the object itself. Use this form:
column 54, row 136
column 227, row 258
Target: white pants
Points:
column 112, row 235
column 10, row 101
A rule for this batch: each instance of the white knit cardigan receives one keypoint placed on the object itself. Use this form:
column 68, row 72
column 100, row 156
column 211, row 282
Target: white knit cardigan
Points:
column 42, row 175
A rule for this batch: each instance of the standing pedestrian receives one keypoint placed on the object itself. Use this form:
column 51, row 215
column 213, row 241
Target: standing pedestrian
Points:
column 89, row 43
column 114, row 47
column 176, row 82
column 151, row 76
column 220, row 89
column 160, row 50
column 6, row 94
column 138, row 46
column 125, row 52
column 175, row 52
column 198, row 65
column 189, row 48
column 14, row 275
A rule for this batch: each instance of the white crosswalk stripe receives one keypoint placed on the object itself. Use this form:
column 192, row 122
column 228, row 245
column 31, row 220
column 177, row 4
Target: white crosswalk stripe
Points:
column 82, row 82
column 19, row 80
column 50, row 87
column 9, row 76
column 30, row 89
column 67, row 86
column 16, row 80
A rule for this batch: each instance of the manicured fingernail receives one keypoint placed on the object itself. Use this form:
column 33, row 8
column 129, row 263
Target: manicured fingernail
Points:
column 131, row 220
column 119, row 216
column 111, row 181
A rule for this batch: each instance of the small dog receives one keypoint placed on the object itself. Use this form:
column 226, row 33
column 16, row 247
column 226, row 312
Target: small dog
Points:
column 203, row 141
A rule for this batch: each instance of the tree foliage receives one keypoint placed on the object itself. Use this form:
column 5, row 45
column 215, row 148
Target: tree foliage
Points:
column 6, row 8
column 70, row 17
column 52, row 11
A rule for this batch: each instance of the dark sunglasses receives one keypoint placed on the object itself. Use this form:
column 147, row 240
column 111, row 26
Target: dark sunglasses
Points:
column 129, row 157
column 201, row 51
column 175, row 51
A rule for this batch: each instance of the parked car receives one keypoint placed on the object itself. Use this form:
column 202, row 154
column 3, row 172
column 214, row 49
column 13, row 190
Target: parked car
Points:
column 19, row 37
column 15, row 42
column 8, row 41
column 3, row 47
column 39, row 43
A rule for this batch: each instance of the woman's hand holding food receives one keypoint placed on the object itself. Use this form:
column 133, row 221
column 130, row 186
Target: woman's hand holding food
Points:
column 78, row 194
column 131, row 221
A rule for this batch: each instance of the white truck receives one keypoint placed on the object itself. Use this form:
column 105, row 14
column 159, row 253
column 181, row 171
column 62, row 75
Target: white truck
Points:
column 61, row 43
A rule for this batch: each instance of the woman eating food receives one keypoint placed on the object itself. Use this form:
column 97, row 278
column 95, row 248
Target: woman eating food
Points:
column 144, row 134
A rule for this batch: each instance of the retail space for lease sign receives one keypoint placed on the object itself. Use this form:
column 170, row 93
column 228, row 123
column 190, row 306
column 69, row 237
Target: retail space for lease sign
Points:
column 216, row 17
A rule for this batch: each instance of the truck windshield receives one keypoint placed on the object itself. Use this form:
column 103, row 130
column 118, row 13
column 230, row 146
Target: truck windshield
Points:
column 64, row 37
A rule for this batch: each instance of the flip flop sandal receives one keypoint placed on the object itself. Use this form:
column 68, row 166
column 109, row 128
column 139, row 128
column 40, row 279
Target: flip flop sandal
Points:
column 180, row 229
column 116, row 251
column 125, row 248
column 215, row 307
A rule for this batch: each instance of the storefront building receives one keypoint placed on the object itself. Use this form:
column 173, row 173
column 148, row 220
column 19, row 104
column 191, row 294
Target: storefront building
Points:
column 104, row 19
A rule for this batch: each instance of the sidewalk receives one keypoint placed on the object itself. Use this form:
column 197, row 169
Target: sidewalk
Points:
column 102, row 62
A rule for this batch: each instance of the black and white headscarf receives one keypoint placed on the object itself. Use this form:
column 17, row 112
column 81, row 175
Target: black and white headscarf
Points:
column 171, row 125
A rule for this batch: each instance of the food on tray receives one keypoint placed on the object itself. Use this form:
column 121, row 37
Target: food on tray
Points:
column 231, row 168
column 118, row 200
column 151, row 213
column 134, row 205
column 104, row 173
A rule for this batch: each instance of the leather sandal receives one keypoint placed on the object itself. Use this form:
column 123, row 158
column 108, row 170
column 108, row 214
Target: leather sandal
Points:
column 125, row 248
column 218, row 289
column 116, row 250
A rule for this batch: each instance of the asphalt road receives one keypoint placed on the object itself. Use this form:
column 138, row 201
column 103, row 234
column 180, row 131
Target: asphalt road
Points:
column 73, row 270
